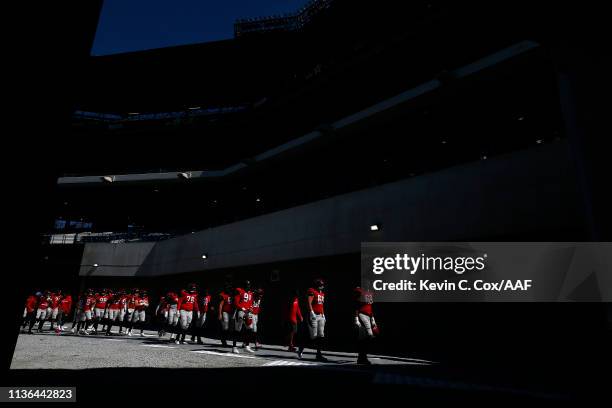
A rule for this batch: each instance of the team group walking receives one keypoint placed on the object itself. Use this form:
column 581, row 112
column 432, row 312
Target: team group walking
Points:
column 182, row 314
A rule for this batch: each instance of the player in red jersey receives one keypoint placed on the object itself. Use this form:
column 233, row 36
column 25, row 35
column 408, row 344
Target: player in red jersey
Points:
column 85, row 311
column 172, row 300
column 252, row 319
column 203, row 304
column 65, row 307
column 293, row 317
column 188, row 306
column 42, row 305
column 364, row 322
column 161, row 314
column 56, row 298
column 30, row 309
column 226, row 313
column 106, row 315
column 125, row 316
column 116, row 305
column 100, row 308
column 316, row 321
column 243, row 300
column 141, row 303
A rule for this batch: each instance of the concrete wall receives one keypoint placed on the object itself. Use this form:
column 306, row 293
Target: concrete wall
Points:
column 522, row 194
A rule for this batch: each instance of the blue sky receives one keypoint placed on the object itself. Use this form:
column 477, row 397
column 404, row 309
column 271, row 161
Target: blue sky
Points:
column 131, row 25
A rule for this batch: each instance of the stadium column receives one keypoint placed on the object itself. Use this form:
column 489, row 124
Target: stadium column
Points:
column 579, row 76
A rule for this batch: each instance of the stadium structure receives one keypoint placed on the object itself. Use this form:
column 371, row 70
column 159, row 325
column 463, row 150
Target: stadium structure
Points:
column 273, row 155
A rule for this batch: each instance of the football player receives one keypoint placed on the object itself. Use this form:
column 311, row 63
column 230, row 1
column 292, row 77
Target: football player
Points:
column 187, row 305
column 243, row 300
column 293, row 318
column 30, row 309
column 56, row 298
column 123, row 312
column 173, row 315
column 316, row 322
column 29, row 313
column 253, row 318
column 65, row 306
column 141, row 303
column 115, row 305
column 131, row 304
column 226, row 313
column 100, row 308
column 106, row 316
column 203, row 303
column 85, row 304
column 44, row 300
column 364, row 322
column 161, row 312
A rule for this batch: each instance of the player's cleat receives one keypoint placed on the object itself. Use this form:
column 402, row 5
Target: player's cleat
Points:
column 177, row 341
column 300, row 354
column 321, row 358
column 108, row 334
column 129, row 333
column 249, row 349
column 142, row 334
column 235, row 350
column 200, row 341
column 73, row 330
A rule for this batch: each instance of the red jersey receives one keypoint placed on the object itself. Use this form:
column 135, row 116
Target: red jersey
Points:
column 188, row 301
column 255, row 307
column 228, row 302
column 318, row 298
column 90, row 301
column 363, row 301
column 243, row 299
column 141, row 302
column 294, row 311
column 66, row 304
column 131, row 301
column 172, row 298
column 55, row 300
column 43, row 302
column 115, row 303
column 101, row 301
column 31, row 303
column 203, row 302
column 124, row 301
column 163, row 305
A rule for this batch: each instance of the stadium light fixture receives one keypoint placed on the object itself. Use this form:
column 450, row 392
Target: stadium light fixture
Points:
column 204, row 256
column 95, row 265
column 195, row 107
column 108, row 179
column 133, row 113
column 374, row 227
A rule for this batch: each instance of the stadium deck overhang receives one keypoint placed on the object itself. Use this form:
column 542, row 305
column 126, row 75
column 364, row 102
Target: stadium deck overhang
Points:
column 354, row 120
